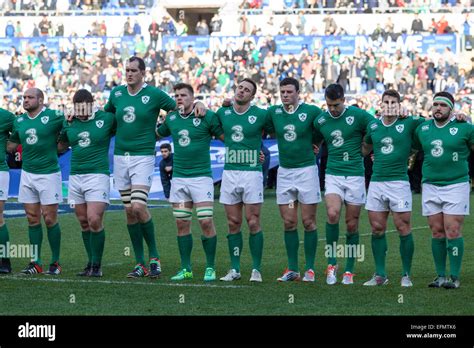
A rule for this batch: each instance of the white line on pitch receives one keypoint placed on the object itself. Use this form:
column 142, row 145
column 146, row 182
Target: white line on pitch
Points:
column 117, row 282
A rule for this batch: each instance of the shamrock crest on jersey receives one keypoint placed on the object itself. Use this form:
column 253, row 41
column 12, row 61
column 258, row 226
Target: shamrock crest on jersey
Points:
column 99, row 123
column 350, row 120
column 252, row 119
column 45, row 119
column 302, row 117
column 197, row 122
column 453, row 130
column 145, row 99
column 129, row 116
column 400, row 128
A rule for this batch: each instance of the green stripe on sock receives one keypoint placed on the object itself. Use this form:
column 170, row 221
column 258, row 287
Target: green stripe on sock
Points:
column 332, row 236
column 310, row 245
column 379, row 250
column 4, row 236
column 54, row 238
column 86, row 238
column 209, row 245
column 185, row 245
column 97, row 246
column 235, row 244
column 407, row 248
column 439, row 250
column 136, row 237
column 455, row 253
column 35, row 234
column 148, row 230
column 256, row 249
column 352, row 239
column 292, row 244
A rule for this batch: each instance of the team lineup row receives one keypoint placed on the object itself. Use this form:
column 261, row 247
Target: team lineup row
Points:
column 131, row 115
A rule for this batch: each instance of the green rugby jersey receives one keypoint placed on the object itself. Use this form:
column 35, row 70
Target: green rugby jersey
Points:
column 294, row 133
column 192, row 138
column 392, row 146
column 446, row 151
column 90, row 141
column 6, row 124
column 343, row 136
column 136, row 117
column 243, row 137
column 39, row 140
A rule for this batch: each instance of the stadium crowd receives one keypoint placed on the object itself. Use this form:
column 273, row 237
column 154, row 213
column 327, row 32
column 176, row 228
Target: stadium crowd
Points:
column 213, row 75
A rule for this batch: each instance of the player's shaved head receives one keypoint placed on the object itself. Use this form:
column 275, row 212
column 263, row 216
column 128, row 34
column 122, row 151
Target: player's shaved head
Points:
column 33, row 100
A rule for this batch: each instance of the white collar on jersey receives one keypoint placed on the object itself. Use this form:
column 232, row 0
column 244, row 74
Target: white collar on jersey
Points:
column 241, row 113
column 444, row 125
column 32, row 118
column 132, row 95
column 388, row 125
column 329, row 112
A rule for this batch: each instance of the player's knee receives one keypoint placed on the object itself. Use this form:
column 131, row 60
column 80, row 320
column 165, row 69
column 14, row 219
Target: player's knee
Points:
column 50, row 220
column 95, row 223
column 206, row 224
column 254, row 223
column 33, row 219
column 234, row 223
column 84, row 223
column 437, row 228
column 378, row 227
column 352, row 225
column 333, row 216
column 309, row 224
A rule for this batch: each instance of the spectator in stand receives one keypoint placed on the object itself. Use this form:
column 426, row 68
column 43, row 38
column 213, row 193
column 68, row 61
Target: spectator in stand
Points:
column 9, row 30
column 216, row 24
column 417, row 25
column 153, row 30
column 44, row 26
column 202, row 28
column 166, row 168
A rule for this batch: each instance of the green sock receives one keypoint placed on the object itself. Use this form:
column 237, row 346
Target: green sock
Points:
column 379, row 250
column 185, row 245
column 97, row 246
column 407, row 247
column 209, row 245
column 86, row 238
column 332, row 236
column 310, row 244
column 36, row 239
column 256, row 249
column 4, row 237
column 136, row 236
column 351, row 239
column 438, row 247
column 455, row 252
column 54, row 238
column 235, row 249
column 148, row 230
column 292, row 244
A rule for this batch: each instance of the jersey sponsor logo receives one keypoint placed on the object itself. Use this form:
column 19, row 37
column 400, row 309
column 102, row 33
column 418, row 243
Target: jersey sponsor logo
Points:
column 118, row 94
column 145, row 99
column 302, row 117
column 290, row 134
column 45, row 119
column 196, row 122
column 374, row 126
column 321, row 120
column 350, row 120
column 129, row 116
column 400, row 128
column 184, row 139
column 238, row 135
column 252, row 119
column 387, row 147
column 426, row 127
column 85, row 140
column 99, row 123
column 453, row 130
column 172, row 117
column 227, row 112
column 278, row 111
column 338, row 140
column 437, row 150
column 32, row 137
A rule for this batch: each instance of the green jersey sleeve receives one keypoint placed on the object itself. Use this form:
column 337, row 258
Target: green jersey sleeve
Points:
column 163, row 130
column 215, row 126
column 165, row 101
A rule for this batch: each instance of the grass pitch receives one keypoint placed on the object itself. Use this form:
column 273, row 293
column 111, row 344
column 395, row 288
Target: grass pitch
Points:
column 114, row 294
